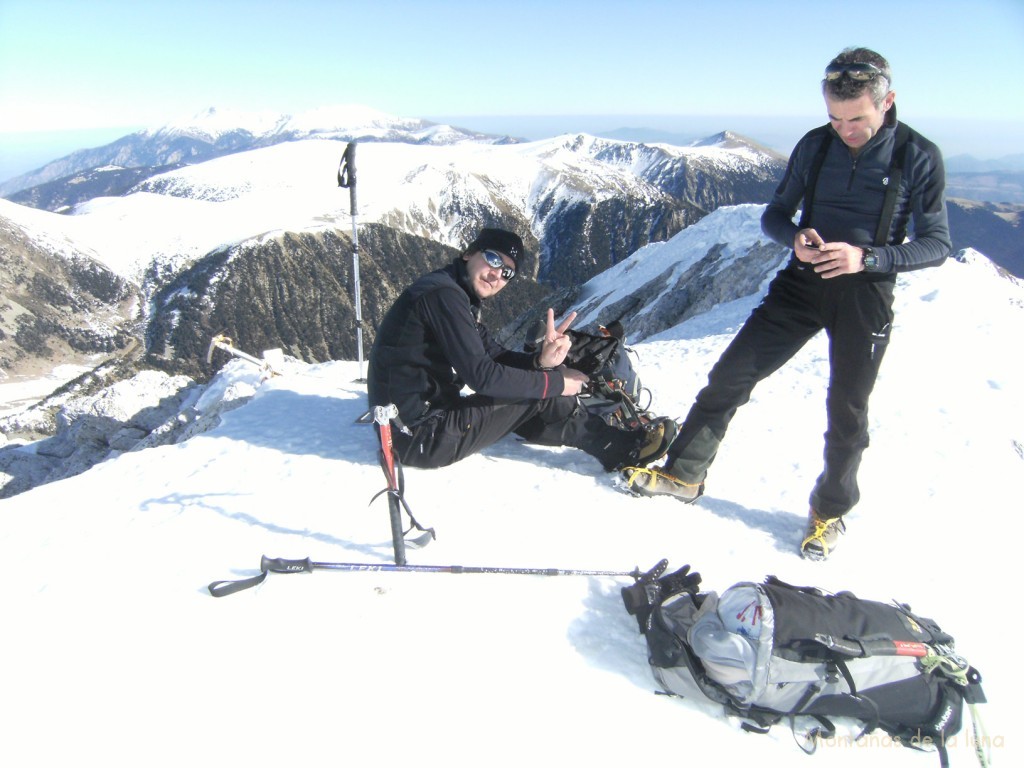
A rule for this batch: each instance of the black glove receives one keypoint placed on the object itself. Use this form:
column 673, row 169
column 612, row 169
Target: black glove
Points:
column 652, row 589
column 680, row 581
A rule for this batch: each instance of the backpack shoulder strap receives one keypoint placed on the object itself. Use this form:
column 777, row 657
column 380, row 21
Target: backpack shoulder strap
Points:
column 812, row 175
column 892, row 181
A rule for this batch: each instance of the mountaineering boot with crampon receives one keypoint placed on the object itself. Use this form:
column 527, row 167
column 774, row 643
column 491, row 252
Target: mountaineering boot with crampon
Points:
column 658, row 436
column 821, row 537
column 617, row 448
column 651, row 481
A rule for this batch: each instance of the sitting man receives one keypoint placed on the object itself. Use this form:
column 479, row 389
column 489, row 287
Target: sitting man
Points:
column 431, row 344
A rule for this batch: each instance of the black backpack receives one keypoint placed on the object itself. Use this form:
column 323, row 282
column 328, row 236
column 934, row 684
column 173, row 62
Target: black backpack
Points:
column 614, row 391
column 772, row 651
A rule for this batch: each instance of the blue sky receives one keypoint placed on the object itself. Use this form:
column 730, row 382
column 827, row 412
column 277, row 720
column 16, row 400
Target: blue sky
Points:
column 96, row 67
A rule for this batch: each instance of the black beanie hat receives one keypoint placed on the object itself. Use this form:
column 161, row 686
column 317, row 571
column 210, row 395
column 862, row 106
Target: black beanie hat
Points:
column 508, row 243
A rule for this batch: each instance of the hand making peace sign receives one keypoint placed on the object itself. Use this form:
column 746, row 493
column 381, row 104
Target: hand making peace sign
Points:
column 556, row 342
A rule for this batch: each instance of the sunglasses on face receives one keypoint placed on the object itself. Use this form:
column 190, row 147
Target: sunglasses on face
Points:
column 494, row 259
column 859, row 71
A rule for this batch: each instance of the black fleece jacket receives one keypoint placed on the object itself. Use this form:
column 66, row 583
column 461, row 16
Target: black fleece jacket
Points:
column 850, row 192
column 431, row 344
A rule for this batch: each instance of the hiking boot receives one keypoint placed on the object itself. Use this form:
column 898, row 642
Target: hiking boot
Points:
column 821, row 537
column 658, row 436
column 645, row 481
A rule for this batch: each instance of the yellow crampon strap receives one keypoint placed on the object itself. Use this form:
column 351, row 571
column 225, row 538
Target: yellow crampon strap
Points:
column 632, row 473
column 821, row 527
column 818, row 534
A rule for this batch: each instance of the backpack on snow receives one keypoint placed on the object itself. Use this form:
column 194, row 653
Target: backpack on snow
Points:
column 772, row 651
column 614, row 391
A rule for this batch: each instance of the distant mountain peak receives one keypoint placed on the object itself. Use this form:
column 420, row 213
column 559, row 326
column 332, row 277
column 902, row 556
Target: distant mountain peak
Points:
column 214, row 122
column 732, row 140
column 350, row 120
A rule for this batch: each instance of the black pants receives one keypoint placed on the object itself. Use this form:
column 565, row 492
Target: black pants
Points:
column 479, row 421
column 857, row 316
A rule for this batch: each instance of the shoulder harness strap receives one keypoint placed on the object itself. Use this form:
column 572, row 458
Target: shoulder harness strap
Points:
column 812, row 176
column 892, row 181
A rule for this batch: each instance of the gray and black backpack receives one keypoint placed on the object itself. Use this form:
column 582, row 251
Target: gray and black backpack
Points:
column 771, row 652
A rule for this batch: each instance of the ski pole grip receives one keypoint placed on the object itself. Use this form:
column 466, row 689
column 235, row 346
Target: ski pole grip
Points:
column 281, row 565
column 349, row 160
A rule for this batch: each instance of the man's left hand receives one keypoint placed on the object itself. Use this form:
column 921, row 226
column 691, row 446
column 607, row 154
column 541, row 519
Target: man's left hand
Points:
column 834, row 259
column 556, row 342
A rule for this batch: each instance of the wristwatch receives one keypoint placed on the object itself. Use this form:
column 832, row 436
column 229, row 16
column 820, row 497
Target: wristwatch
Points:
column 869, row 259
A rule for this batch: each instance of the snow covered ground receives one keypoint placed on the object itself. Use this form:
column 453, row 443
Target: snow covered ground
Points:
column 114, row 652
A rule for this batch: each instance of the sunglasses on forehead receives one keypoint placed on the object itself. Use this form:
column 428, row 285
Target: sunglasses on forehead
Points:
column 493, row 258
column 859, row 71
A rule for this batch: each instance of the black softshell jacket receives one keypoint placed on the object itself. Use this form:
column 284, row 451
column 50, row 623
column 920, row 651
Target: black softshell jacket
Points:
column 430, row 346
column 850, row 192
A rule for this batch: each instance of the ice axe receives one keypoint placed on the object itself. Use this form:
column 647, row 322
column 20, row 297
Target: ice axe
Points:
column 383, row 416
column 270, row 364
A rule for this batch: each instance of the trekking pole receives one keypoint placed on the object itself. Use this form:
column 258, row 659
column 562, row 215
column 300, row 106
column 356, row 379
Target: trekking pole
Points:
column 383, row 415
column 281, row 565
column 347, row 179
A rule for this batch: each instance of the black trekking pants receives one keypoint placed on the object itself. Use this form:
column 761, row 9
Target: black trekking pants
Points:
column 479, row 421
column 857, row 316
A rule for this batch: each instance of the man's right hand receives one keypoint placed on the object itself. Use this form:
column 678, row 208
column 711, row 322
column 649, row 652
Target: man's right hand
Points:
column 574, row 381
column 556, row 344
column 806, row 244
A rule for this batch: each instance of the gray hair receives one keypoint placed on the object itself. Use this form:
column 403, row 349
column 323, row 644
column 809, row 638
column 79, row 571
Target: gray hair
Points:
column 846, row 88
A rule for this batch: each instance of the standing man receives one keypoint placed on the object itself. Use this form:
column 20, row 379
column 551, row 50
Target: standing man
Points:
column 431, row 344
column 847, row 249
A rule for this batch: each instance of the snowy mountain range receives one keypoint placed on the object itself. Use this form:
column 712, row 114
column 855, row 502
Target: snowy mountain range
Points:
column 113, row 641
column 216, row 132
column 423, row 190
